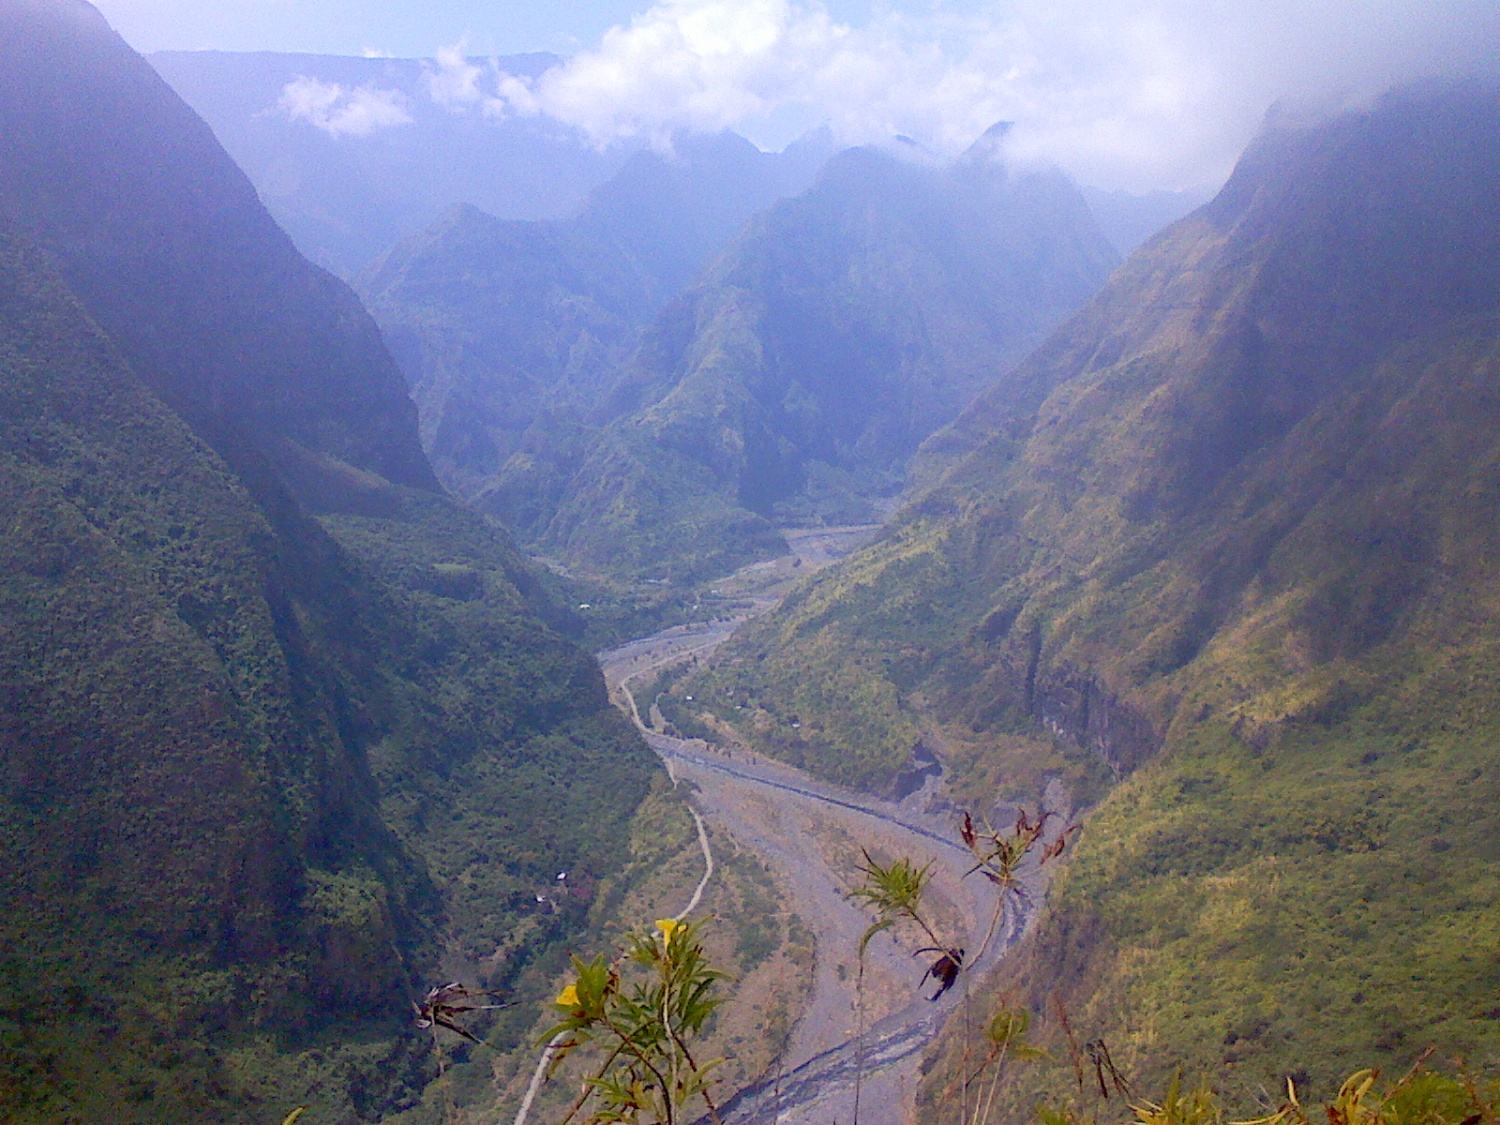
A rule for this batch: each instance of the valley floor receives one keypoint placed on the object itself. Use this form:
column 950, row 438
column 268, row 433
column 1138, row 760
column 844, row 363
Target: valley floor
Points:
column 811, row 835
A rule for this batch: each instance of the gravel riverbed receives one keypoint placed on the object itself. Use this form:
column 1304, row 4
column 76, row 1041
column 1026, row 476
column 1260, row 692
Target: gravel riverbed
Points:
column 849, row 1041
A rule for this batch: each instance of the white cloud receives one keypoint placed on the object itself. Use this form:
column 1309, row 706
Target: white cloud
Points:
column 1138, row 93
column 454, row 81
column 342, row 112
column 696, row 64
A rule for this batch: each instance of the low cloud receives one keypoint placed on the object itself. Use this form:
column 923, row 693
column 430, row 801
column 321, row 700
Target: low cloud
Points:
column 452, row 80
column 342, row 112
column 1150, row 93
column 457, row 82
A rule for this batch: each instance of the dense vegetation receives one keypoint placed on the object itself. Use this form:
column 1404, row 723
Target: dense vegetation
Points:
column 1225, row 540
column 793, row 381
column 286, row 734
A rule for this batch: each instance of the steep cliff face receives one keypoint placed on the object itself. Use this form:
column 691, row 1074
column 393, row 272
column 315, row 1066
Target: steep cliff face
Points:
column 1224, row 539
column 1092, row 520
column 175, row 783
column 81, row 565
column 283, row 727
column 1214, row 385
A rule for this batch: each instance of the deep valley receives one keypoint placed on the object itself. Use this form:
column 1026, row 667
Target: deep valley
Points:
column 511, row 610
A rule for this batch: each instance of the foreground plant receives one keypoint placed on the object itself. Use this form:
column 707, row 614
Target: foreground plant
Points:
column 1000, row 857
column 894, row 891
column 444, row 1005
column 640, row 1012
column 1006, row 1040
column 1422, row 1097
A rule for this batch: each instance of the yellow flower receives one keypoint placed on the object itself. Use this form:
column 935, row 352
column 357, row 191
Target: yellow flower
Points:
column 568, row 997
column 668, row 927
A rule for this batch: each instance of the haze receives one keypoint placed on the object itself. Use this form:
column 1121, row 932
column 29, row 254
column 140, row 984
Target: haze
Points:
column 1145, row 95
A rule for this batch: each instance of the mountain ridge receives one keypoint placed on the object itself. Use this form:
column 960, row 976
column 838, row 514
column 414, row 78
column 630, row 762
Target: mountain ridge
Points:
column 503, row 326
column 285, row 728
column 212, row 252
column 795, row 378
column 1227, row 573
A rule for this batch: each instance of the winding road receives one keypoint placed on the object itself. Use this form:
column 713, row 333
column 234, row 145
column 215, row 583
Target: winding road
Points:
column 850, row 1042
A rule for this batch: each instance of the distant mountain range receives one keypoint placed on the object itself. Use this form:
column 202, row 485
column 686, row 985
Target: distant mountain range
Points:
column 282, row 728
column 788, row 384
column 1220, row 554
column 507, row 325
column 350, row 155
column 534, row 321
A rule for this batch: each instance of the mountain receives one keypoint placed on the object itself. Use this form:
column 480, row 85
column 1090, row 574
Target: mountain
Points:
column 796, row 377
column 1226, row 567
column 674, row 212
column 505, row 327
column 1129, row 219
column 284, row 728
column 353, row 154
column 283, row 358
column 502, row 326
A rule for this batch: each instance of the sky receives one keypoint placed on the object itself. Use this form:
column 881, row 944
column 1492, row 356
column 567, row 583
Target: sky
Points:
column 1137, row 94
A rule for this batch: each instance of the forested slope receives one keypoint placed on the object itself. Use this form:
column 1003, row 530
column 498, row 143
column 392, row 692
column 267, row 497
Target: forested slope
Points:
column 513, row 332
column 1233, row 562
column 284, row 728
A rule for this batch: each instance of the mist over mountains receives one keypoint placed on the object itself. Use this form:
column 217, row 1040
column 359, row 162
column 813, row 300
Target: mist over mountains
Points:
column 788, row 384
column 526, row 339
column 350, row 155
column 502, row 325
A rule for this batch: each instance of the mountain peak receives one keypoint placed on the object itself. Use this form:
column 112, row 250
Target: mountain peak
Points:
column 989, row 146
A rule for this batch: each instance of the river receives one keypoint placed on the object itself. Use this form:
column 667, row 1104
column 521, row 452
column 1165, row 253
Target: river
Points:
column 849, row 1043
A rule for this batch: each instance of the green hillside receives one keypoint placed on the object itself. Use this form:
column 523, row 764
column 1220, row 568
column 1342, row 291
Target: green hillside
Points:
column 166, row 244
column 1235, row 571
column 287, row 735
column 504, row 328
column 791, row 384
